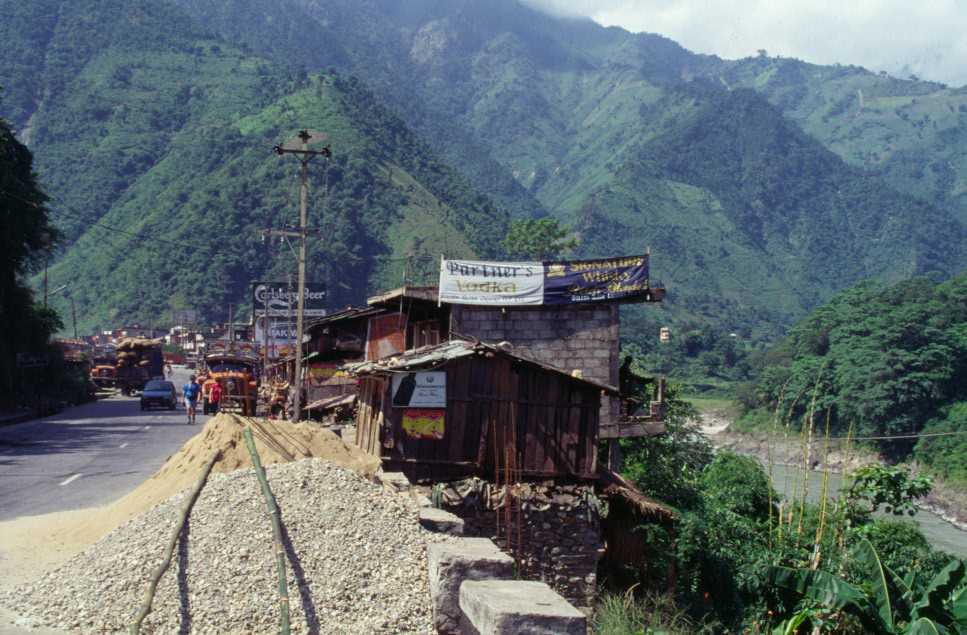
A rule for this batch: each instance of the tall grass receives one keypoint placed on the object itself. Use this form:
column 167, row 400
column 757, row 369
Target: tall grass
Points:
column 653, row 613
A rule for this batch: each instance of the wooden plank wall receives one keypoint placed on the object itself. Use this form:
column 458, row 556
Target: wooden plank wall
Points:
column 550, row 421
column 370, row 414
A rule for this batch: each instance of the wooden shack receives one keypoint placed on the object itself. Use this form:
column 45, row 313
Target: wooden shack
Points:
column 465, row 408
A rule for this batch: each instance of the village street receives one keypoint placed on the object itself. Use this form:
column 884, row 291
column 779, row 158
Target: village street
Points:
column 87, row 455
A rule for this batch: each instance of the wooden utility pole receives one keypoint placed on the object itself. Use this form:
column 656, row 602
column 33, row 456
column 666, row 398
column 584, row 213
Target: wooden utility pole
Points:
column 305, row 155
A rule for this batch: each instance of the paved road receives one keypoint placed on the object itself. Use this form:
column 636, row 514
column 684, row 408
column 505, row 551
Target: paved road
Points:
column 87, row 455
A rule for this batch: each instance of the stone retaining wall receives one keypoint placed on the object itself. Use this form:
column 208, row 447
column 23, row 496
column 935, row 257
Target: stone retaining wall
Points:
column 555, row 531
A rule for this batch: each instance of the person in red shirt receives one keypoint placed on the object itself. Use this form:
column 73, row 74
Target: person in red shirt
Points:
column 214, row 397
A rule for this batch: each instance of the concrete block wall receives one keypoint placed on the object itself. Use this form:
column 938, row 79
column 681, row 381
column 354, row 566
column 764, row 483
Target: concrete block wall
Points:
column 583, row 337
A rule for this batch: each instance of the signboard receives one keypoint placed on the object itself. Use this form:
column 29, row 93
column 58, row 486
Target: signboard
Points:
column 420, row 390
column 281, row 336
column 385, row 336
column 424, row 423
column 281, row 300
column 31, row 360
column 536, row 283
column 321, row 372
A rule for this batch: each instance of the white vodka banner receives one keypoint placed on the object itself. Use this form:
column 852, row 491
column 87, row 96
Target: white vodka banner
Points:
column 497, row 283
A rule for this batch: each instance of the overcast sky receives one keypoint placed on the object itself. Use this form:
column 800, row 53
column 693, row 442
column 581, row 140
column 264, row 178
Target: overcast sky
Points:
column 925, row 37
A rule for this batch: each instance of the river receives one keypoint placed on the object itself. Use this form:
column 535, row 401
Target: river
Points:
column 940, row 533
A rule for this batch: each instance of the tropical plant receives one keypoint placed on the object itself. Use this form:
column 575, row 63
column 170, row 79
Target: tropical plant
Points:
column 892, row 488
column 883, row 603
column 538, row 239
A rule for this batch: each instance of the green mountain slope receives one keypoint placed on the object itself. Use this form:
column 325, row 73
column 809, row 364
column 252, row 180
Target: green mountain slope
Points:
column 914, row 133
column 567, row 108
column 631, row 138
column 156, row 146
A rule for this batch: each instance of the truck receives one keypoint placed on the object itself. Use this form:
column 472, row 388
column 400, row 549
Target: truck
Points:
column 138, row 361
column 238, row 375
column 104, row 370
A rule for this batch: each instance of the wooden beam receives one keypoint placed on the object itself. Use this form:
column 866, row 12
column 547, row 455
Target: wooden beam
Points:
column 631, row 430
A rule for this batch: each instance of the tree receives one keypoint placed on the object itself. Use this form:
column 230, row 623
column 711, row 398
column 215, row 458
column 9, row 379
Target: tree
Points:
column 27, row 235
column 892, row 488
column 537, row 239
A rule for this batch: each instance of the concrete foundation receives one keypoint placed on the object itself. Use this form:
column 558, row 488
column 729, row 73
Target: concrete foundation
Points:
column 437, row 520
column 518, row 607
column 451, row 564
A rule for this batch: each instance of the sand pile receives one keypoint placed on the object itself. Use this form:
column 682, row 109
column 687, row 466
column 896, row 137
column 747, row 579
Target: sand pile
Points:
column 33, row 544
column 356, row 562
column 276, row 441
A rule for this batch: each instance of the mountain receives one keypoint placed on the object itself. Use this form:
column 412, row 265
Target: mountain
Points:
column 571, row 109
column 155, row 143
column 757, row 189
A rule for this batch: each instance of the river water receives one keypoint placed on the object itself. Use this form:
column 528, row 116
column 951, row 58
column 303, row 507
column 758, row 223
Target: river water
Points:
column 941, row 534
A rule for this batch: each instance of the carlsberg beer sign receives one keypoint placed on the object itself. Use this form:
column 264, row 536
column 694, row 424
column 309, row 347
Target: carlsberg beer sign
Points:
column 532, row 283
column 282, row 301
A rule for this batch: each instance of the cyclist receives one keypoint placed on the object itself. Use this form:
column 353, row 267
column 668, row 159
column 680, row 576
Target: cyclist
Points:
column 191, row 391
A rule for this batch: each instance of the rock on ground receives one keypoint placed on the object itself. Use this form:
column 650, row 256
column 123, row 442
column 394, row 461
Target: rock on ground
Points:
column 356, row 562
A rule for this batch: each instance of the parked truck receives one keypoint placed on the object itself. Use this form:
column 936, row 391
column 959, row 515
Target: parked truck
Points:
column 138, row 361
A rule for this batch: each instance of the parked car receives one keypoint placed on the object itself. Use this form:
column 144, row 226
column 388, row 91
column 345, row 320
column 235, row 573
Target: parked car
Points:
column 159, row 393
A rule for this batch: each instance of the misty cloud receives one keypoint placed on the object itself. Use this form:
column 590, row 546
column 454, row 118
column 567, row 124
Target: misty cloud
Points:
column 900, row 37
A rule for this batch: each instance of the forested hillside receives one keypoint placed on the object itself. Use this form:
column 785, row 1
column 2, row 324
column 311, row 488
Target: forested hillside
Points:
column 155, row 143
column 758, row 204
column 883, row 361
column 571, row 110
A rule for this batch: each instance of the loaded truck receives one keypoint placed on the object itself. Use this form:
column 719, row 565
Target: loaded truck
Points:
column 138, row 361
column 239, row 378
column 104, row 369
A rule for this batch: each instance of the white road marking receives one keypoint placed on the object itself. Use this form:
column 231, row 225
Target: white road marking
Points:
column 124, row 445
column 70, row 480
column 147, row 427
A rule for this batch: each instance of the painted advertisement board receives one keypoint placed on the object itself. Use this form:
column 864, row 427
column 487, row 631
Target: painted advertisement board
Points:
column 281, row 300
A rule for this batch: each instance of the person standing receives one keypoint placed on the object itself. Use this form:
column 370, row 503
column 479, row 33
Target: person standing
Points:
column 214, row 397
column 191, row 391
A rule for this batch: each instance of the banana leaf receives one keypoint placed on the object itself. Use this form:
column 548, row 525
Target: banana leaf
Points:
column 829, row 591
column 879, row 584
column 959, row 609
column 931, row 604
column 923, row 626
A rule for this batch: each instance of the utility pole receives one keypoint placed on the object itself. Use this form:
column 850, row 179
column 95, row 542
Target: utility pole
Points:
column 304, row 155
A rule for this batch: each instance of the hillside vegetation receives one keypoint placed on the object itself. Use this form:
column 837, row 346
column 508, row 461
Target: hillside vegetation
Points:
column 760, row 187
column 879, row 361
column 757, row 208
column 173, row 133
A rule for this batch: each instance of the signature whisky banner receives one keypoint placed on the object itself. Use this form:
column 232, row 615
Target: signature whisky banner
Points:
column 535, row 283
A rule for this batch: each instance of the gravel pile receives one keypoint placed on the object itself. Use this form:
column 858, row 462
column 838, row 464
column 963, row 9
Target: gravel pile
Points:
column 356, row 562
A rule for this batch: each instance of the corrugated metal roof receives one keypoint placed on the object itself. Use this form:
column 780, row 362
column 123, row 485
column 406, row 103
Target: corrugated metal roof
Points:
column 349, row 313
column 428, row 357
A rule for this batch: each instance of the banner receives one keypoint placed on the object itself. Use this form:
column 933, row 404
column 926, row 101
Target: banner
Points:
column 499, row 283
column 535, row 283
column 601, row 280
column 281, row 300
